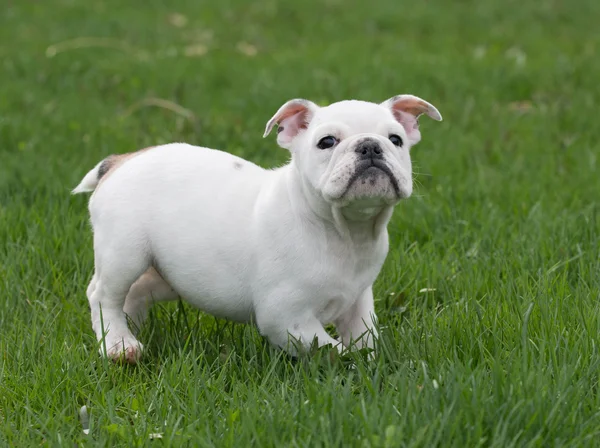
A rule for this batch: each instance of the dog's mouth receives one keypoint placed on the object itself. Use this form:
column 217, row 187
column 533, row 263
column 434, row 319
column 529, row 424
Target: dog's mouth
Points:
column 369, row 170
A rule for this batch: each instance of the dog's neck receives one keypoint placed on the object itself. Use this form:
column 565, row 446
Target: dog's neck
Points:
column 350, row 221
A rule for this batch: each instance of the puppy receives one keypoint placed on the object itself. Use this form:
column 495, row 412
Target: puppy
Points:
column 290, row 249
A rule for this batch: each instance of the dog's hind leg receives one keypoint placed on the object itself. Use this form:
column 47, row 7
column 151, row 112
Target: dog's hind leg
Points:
column 146, row 290
column 119, row 263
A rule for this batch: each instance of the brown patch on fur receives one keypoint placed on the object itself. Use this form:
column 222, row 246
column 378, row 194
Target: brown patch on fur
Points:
column 412, row 106
column 112, row 162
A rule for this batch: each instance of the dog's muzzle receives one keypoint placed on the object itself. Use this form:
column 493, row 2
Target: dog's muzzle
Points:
column 370, row 161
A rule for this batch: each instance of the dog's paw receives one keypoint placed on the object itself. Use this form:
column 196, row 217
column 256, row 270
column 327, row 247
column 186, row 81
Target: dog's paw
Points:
column 126, row 349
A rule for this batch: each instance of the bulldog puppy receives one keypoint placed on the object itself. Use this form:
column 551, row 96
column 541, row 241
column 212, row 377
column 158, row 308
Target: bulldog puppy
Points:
column 290, row 249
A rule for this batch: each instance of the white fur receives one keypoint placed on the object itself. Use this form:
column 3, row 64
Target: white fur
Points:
column 89, row 182
column 290, row 249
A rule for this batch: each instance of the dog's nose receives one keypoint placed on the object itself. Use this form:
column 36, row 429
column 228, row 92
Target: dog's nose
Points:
column 369, row 149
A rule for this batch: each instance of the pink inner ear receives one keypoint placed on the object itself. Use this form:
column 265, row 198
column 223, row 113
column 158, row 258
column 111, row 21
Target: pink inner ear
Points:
column 410, row 124
column 407, row 109
column 291, row 125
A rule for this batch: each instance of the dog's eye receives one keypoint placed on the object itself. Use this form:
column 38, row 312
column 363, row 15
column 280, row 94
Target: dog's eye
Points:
column 396, row 140
column 327, row 142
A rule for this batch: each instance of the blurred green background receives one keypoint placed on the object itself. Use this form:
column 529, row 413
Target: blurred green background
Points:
column 488, row 299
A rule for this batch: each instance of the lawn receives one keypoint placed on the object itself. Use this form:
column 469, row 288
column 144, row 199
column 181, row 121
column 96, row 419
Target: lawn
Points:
column 488, row 301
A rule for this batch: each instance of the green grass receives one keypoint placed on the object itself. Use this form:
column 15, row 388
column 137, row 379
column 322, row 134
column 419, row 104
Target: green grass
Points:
column 489, row 299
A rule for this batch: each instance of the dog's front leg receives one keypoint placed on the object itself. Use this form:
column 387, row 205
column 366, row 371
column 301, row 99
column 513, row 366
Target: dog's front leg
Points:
column 357, row 325
column 292, row 329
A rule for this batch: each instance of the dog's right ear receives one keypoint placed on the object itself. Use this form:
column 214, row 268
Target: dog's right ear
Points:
column 291, row 119
column 407, row 109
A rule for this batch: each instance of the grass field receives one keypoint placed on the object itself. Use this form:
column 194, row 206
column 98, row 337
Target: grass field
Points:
column 488, row 301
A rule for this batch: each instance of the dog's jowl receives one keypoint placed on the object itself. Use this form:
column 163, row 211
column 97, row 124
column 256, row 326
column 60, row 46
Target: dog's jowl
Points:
column 290, row 249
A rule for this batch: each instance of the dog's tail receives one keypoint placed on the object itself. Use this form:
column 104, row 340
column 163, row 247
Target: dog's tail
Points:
column 91, row 179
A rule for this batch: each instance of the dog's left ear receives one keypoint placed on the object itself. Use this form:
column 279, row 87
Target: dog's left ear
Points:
column 291, row 118
column 407, row 109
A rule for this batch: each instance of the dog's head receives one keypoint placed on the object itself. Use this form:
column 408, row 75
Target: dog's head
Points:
column 354, row 152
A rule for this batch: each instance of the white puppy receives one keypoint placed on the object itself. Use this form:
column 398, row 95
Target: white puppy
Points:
column 291, row 249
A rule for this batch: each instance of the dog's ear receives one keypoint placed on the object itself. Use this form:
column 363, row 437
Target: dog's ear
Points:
column 291, row 118
column 407, row 109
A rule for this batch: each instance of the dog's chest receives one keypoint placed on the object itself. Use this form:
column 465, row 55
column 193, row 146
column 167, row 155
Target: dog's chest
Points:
column 343, row 277
column 315, row 268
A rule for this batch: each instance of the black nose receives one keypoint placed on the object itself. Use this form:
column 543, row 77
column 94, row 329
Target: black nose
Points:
column 369, row 149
